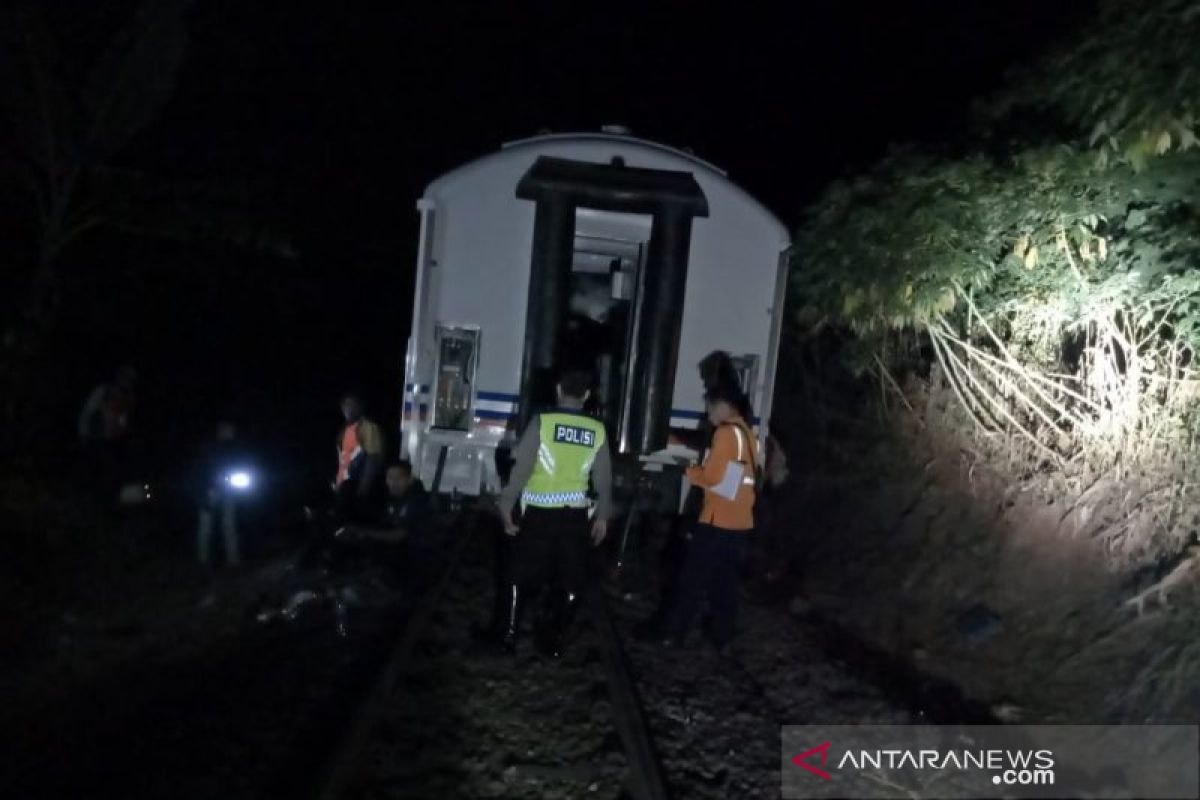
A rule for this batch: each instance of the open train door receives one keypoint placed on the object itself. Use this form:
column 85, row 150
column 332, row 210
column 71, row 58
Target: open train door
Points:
column 642, row 219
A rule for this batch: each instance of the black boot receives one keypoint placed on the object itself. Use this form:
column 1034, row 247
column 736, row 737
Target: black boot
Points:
column 564, row 615
column 514, row 602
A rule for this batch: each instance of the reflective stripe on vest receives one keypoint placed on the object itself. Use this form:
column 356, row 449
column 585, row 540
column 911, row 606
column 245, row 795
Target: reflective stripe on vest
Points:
column 568, row 446
column 748, row 480
column 572, row 499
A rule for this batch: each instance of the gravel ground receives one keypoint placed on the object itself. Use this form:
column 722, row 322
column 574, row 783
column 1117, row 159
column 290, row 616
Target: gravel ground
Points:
column 466, row 724
column 232, row 708
column 202, row 704
column 716, row 717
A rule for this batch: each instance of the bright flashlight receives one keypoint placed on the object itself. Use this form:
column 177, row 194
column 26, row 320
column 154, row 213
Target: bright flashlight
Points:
column 239, row 480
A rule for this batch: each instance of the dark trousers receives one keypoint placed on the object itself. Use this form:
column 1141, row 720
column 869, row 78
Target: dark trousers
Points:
column 710, row 570
column 552, row 549
column 349, row 506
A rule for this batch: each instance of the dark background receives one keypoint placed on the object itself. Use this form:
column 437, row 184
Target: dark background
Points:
column 344, row 112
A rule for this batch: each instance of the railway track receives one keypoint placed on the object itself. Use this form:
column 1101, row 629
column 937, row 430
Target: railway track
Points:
column 443, row 720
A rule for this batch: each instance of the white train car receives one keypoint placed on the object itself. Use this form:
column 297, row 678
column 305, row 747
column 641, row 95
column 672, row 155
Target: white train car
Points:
column 600, row 250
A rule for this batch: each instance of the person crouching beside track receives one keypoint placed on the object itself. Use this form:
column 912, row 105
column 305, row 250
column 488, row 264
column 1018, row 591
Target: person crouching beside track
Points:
column 402, row 538
column 557, row 455
column 727, row 518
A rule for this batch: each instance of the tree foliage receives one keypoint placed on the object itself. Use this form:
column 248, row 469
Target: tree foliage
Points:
column 1043, row 228
column 70, row 104
column 1129, row 84
column 71, row 109
column 1049, row 259
column 69, row 114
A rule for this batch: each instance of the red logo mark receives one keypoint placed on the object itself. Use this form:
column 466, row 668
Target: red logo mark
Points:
column 800, row 761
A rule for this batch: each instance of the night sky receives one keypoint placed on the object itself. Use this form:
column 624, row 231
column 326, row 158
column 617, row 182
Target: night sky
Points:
column 340, row 114
column 358, row 108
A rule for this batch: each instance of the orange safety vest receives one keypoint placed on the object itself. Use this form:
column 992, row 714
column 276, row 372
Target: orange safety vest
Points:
column 349, row 450
column 732, row 442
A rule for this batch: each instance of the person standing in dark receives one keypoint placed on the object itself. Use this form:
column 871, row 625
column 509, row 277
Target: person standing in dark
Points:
column 223, row 477
column 558, row 455
column 107, row 414
column 104, row 427
column 727, row 477
column 360, row 448
column 718, row 375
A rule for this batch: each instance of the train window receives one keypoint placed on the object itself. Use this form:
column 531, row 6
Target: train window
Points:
column 457, row 350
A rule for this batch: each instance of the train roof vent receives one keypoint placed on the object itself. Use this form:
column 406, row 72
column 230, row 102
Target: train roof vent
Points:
column 616, row 130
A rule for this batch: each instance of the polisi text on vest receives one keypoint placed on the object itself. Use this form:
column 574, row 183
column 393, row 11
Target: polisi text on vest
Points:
column 568, row 434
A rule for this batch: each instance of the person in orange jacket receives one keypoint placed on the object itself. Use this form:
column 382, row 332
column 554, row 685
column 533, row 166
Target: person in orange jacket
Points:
column 358, row 486
column 727, row 477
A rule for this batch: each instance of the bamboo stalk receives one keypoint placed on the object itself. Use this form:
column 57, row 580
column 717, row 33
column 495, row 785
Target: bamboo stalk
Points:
column 1004, row 412
column 1012, row 361
column 1030, row 376
column 1000, row 379
column 886, row 374
column 967, row 382
column 968, row 407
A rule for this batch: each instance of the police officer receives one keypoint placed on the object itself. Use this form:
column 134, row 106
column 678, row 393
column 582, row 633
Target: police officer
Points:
column 553, row 462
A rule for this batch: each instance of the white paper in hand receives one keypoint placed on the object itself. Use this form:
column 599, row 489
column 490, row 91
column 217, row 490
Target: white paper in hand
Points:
column 728, row 487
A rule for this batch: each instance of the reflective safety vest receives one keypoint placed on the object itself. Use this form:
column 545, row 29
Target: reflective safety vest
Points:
column 358, row 440
column 349, row 449
column 568, row 444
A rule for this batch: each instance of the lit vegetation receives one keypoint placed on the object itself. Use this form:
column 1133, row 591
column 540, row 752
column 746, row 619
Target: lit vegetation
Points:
column 1044, row 270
